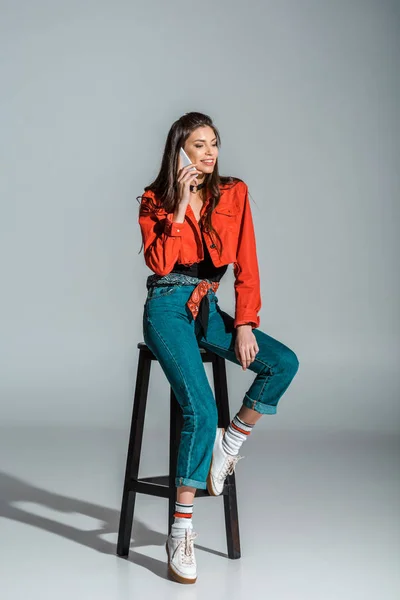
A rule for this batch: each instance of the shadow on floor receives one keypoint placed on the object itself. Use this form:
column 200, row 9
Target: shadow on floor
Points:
column 14, row 490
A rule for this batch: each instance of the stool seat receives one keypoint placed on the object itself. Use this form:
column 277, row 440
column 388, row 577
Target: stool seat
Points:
column 164, row 485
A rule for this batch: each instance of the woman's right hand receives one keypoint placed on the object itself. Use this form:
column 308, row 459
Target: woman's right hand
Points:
column 185, row 178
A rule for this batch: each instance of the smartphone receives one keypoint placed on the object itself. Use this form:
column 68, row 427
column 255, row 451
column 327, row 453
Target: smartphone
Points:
column 185, row 159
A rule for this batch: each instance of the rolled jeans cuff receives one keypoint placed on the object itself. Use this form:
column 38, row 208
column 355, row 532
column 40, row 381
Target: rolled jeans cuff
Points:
column 264, row 409
column 201, row 485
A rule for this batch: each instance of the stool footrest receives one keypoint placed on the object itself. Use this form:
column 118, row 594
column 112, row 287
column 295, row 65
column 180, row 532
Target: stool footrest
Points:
column 159, row 486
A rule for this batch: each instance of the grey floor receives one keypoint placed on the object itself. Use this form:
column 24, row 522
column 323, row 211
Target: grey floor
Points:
column 319, row 519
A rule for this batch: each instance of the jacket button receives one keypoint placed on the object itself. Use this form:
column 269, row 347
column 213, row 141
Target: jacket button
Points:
column 212, row 246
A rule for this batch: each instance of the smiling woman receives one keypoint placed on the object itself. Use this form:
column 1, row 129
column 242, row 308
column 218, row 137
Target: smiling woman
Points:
column 194, row 223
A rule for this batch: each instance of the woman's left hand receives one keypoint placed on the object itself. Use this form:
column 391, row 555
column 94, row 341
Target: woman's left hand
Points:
column 246, row 346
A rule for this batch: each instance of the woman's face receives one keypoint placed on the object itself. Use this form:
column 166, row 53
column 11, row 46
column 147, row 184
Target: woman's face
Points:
column 201, row 146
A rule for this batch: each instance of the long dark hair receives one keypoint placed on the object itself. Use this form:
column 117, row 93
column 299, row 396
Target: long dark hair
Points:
column 165, row 186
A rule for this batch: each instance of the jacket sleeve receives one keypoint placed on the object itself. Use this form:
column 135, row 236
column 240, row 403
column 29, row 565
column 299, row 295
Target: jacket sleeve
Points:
column 162, row 237
column 246, row 271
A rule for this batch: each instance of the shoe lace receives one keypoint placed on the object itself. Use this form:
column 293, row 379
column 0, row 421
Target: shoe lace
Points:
column 186, row 546
column 229, row 466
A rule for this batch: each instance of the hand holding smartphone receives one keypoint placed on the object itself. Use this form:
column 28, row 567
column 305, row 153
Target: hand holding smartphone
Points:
column 186, row 175
column 185, row 160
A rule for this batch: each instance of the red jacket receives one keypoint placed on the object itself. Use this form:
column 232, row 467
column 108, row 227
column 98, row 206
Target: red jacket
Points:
column 166, row 242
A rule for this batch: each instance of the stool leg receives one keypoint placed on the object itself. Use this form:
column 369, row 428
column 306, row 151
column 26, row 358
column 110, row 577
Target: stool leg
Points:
column 230, row 498
column 175, row 428
column 232, row 518
column 133, row 456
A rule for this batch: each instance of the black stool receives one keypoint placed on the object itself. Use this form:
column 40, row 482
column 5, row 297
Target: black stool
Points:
column 164, row 486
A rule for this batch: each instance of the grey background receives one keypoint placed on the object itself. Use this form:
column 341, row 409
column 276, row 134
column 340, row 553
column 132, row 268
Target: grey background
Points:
column 306, row 96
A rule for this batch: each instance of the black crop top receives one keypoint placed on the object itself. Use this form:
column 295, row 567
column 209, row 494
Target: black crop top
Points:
column 205, row 269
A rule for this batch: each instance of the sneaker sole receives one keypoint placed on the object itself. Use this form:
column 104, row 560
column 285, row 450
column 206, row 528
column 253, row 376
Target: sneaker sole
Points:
column 175, row 575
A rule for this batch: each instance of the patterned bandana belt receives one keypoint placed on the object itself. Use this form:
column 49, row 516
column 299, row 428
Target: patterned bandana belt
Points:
column 199, row 304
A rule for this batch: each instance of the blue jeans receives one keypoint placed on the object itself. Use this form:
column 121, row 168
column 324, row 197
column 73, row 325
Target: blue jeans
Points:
column 172, row 335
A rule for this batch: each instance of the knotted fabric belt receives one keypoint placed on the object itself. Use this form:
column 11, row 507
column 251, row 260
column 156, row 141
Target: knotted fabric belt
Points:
column 199, row 304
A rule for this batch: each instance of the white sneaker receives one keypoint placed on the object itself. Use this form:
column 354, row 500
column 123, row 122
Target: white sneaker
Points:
column 181, row 559
column 222, row 465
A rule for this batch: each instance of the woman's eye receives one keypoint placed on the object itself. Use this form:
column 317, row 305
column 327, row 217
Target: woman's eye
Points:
column 202, row 146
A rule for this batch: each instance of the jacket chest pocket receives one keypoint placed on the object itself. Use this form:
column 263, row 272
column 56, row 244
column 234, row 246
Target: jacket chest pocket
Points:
column 225, row 217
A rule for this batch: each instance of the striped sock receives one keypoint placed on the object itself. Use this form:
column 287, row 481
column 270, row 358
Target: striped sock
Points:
column 235, row 434
column 182, row 519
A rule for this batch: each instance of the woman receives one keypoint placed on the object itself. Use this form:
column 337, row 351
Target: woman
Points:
column 194, row 223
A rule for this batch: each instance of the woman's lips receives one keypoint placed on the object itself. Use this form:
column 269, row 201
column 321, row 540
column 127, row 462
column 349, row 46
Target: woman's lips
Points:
column 208, row 162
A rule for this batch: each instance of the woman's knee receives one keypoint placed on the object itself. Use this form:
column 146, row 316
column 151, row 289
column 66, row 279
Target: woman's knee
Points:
column 289, row 363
